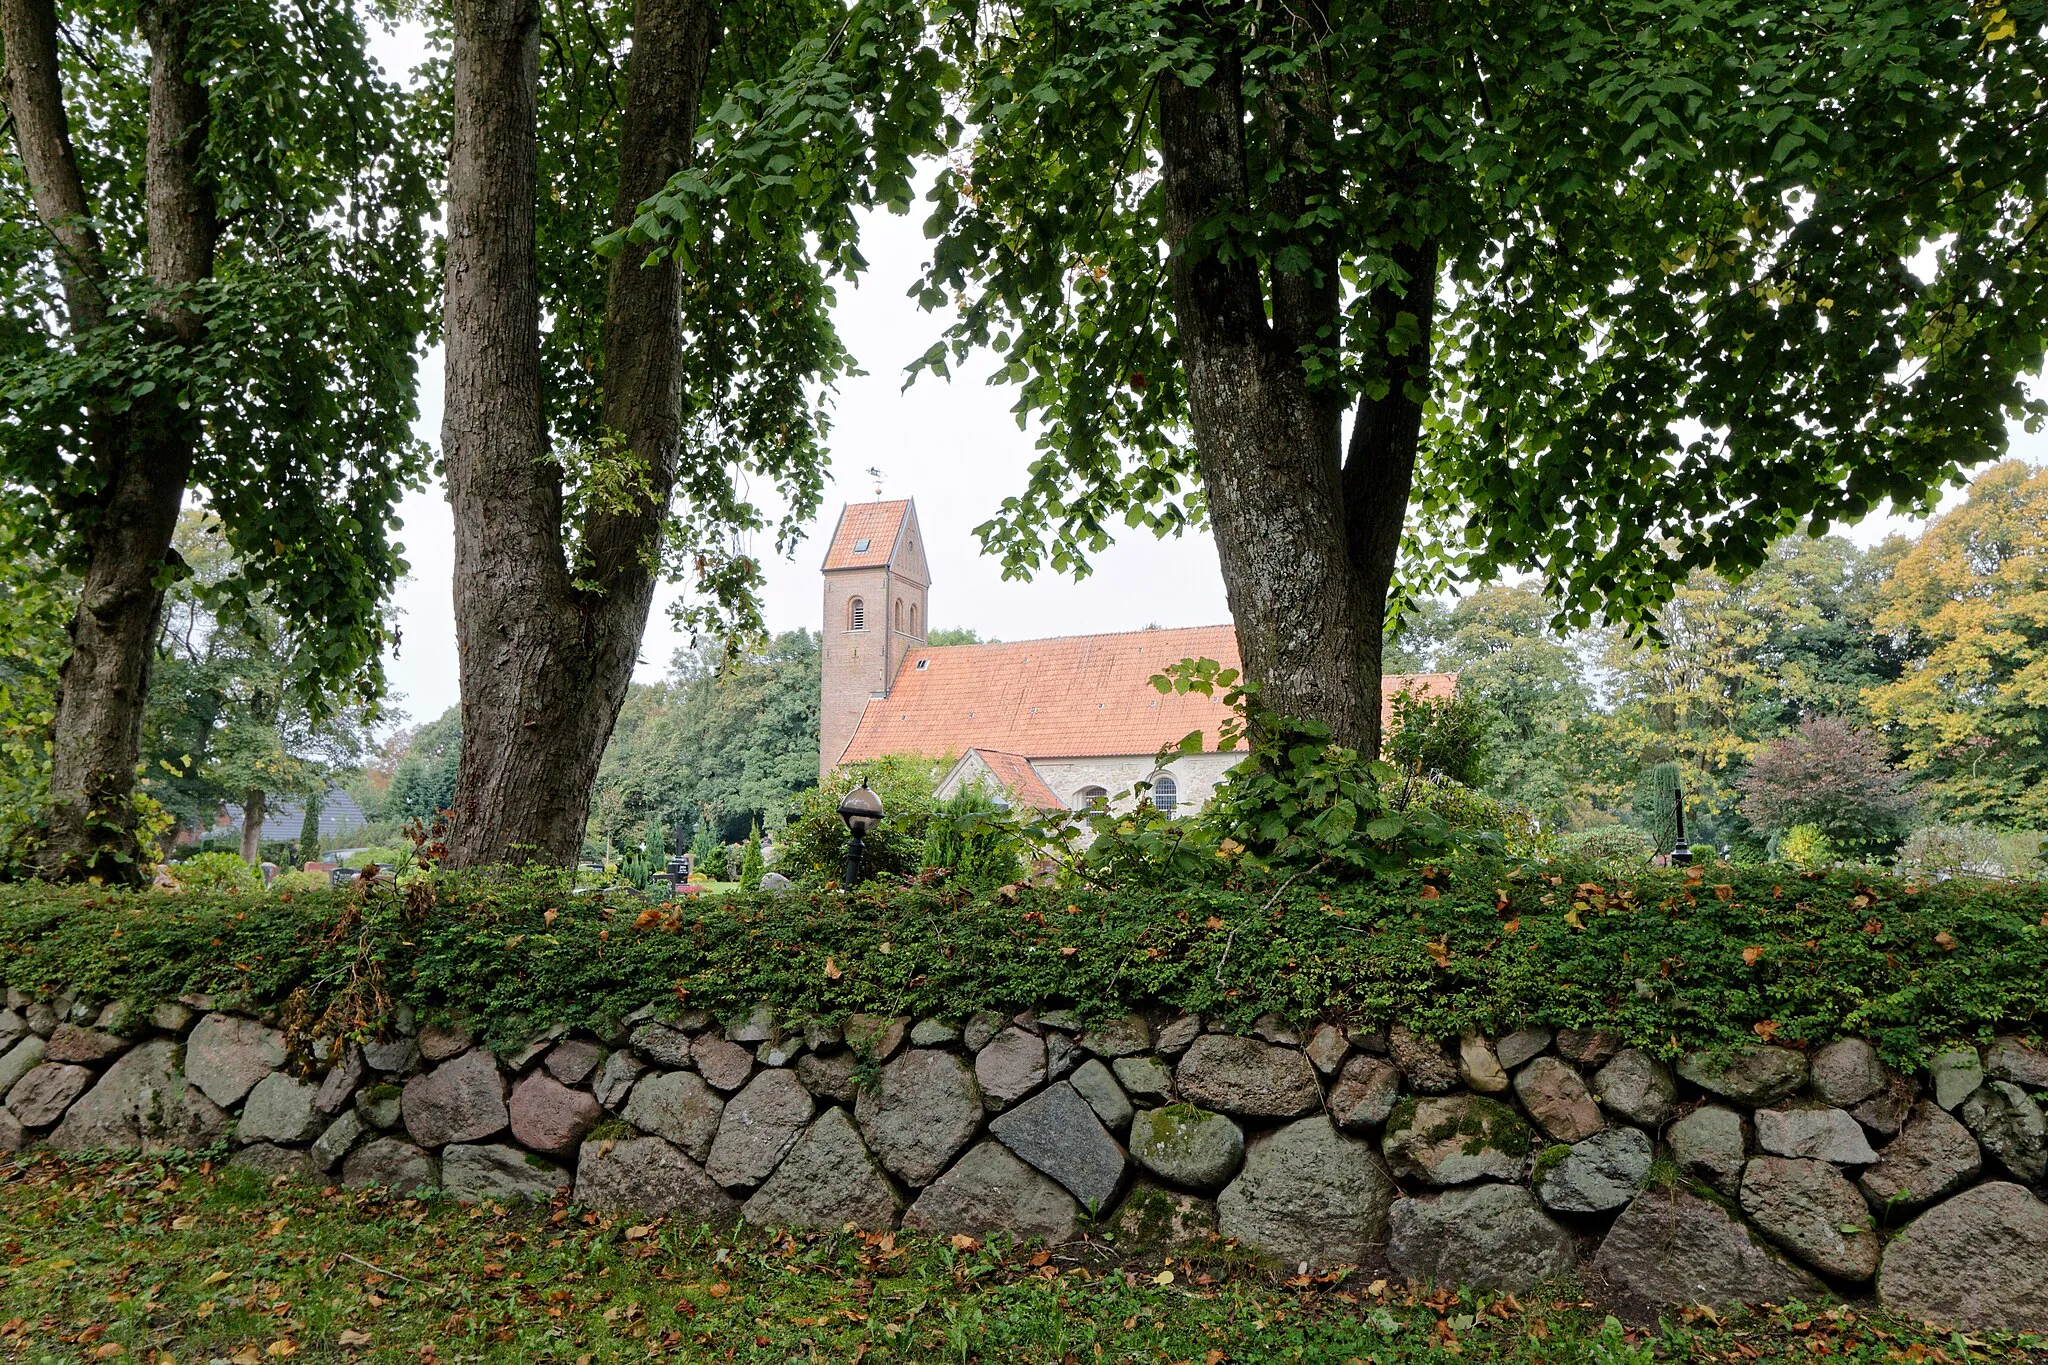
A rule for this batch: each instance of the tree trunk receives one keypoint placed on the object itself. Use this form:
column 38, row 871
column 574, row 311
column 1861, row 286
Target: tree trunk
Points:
column 1307, row 535
column 547, row 647
column 141, row 459
column 252, row 826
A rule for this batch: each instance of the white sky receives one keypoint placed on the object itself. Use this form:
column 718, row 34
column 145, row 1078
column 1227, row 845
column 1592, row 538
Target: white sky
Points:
column 953, row 446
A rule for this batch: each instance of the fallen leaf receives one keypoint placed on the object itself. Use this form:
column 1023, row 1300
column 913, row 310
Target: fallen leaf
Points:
column 1430, row 893
column 886, row 947
column 1724, row 892
column 277, row 1227
column 647, row 917
column 1513, row 926
column 1571, row 917
column 1750, row 955
column 718, row 1290
column 1073, row 909
column 962, row 1242
column 1946, row 940
column 637, row 1231
column 185, row 1222
column 549, row 916
column 1214, row 923
column 1163, row 1277
column 108, row 1350
column 832, row 972
column 1069, row 950
column 351, row 1337
column 216, row 1277
column 1765, row 1028
column 248, row 1355
column 1439, row 952
column 282, row 1347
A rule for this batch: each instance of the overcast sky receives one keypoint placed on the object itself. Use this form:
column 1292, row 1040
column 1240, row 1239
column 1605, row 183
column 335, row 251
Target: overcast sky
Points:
column 953, row 446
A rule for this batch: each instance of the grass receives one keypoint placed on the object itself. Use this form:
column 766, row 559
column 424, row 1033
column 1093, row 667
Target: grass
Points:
column 172, row 1261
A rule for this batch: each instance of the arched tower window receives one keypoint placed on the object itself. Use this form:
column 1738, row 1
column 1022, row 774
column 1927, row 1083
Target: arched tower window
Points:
column 913, row 620
column 899, row 613
column 1165, row 793
column 856, row 615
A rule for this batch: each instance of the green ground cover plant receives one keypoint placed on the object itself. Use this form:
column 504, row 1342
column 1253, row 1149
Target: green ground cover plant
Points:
column 169, row 1260
column 1671, row 960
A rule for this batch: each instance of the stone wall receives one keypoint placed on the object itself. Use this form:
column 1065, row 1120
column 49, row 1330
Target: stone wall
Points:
column 1767, row 1174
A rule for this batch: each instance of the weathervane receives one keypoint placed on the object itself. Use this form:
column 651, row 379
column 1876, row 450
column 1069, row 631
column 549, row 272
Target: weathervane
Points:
column 876, row 475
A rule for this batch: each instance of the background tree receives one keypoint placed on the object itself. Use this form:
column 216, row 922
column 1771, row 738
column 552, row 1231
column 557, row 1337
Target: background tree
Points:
column 214, row 276
column 737, row 736
column 1499, row 641
column 1658, row 789
column 240, row 711
column 1613, row 310
column 1968, row 607
column 423, row 778
column 1832, row 776
column 36, row 601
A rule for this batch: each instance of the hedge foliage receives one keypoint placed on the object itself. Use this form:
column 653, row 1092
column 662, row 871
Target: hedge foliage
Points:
column 1668, row 961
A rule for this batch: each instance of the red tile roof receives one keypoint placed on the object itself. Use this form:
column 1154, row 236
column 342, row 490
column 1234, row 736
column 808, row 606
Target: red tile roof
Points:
column 1069, row 697
column 875, row 522
column 1020, row 779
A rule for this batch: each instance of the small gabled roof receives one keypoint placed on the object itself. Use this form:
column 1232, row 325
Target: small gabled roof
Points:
column 1017, row 777
column 867, row 534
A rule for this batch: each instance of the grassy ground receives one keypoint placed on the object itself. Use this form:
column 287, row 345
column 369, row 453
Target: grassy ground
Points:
column 173, row 1262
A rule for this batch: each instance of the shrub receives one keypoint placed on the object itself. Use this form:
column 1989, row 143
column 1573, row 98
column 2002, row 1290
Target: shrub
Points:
column 973, row 838
column 1830, row 776
column 299, row 883
column 1463, row 808
column 1665, row 959
column 1656, row 804
column 1805, row 847
column 751, row 866
column 217, row 871
column 814, row 848
column 1448, row 737
column 1971, row 851
column 1615, row 849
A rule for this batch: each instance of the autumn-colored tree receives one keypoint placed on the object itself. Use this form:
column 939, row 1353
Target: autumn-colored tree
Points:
column 1832, row 776
column 1969, row 606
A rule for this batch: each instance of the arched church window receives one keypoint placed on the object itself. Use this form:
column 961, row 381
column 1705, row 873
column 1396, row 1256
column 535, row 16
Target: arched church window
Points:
column 856, row 615
column 899, row 613
column 913, row 620
column 1165, row 793
column 1088, row 796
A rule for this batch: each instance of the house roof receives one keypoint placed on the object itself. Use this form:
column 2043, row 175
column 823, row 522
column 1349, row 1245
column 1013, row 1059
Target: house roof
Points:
column 1072, row 696
column 875, row 524
column 1019, row 778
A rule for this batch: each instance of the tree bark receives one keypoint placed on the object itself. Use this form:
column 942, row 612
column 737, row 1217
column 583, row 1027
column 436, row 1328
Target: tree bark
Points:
column 142, row 458
column 548, row 647
column 1307, row 534
column 253, row 804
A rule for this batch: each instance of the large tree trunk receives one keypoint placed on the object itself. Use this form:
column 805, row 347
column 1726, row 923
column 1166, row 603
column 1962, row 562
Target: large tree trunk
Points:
column 142, row 458
column 548, row 647
column 253, row 811
column 1307, row 535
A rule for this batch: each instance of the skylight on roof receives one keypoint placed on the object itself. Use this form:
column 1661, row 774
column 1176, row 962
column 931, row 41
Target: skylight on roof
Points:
column 860, row 547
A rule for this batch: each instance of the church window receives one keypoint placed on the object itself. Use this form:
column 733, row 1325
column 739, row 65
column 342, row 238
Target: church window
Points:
column 913, row 620
column 856, row 615
column 1165, row 793
column 1088, row 796
column 899, row 613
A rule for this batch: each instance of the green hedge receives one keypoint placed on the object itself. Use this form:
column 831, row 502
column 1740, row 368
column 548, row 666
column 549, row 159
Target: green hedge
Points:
column 1669, row 963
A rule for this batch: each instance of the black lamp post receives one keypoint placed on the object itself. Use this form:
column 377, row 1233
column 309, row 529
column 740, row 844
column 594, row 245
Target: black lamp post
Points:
column 1681, row 851
column 861, row 809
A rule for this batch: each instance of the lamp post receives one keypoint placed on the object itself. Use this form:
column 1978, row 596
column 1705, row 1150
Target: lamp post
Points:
column 861, row 809
column 1681, row 851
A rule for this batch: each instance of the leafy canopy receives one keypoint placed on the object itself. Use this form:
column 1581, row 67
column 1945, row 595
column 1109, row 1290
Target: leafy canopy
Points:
column 1710, row 272
column 321, row 173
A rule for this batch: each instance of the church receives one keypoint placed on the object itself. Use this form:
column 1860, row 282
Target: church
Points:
column 1054, row 724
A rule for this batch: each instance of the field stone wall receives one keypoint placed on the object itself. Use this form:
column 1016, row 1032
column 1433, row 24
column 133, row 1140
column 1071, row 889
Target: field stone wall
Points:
column 1759, row 1175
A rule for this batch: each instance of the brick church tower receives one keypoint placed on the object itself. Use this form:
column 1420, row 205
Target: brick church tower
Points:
column 876, row 580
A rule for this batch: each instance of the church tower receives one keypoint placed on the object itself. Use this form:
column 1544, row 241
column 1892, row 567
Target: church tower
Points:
column 876, row 580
